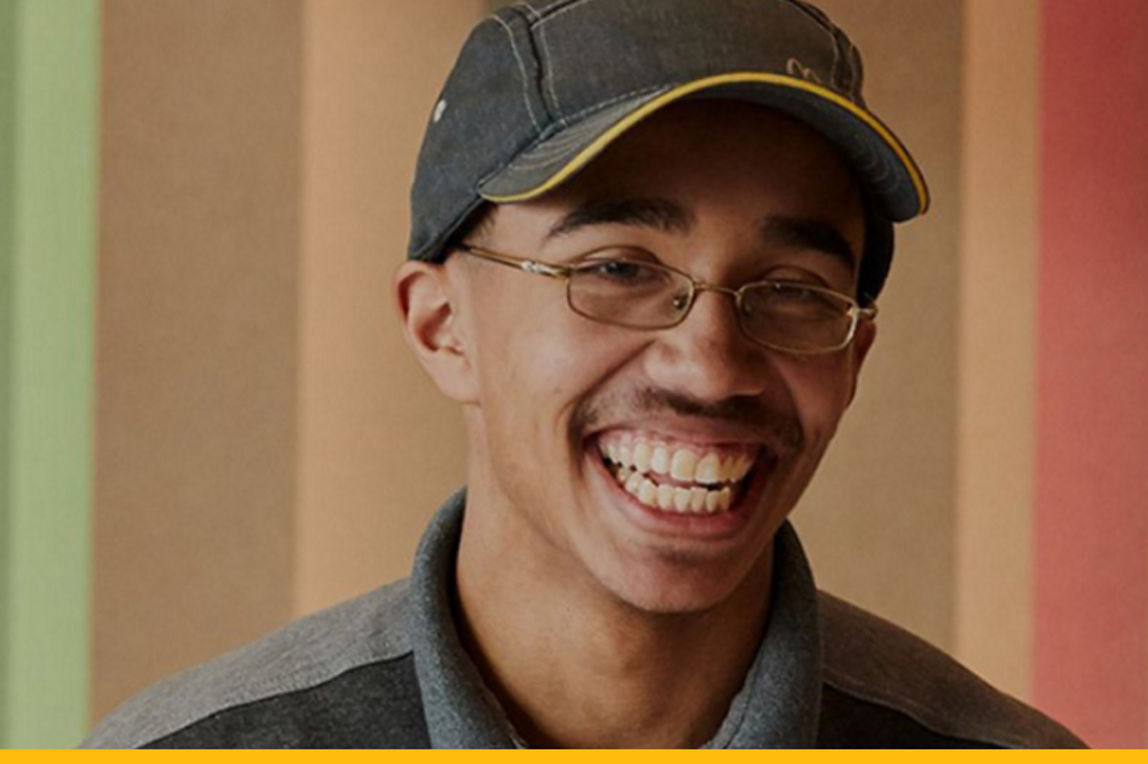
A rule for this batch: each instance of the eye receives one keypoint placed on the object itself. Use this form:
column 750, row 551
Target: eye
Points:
column 810, row 275
column 623, row 273
column 795, row 300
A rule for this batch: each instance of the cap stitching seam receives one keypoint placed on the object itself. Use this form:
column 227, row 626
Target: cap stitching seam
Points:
column 854, row 69
column 532, row 14
column 836, row 60
column 618, row 99
column 597, row 107
column 812, row 13
column 548, row 71
column 559, row 11
column 521, row 71
column 847, row 84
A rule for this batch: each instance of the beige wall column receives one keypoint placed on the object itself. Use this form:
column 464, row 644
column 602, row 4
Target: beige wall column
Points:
column 380, row 448
column 997, row 343
column 266, row 445
column 197, row 327
column 878, row 521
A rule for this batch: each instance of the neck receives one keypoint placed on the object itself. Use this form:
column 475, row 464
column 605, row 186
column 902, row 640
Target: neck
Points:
column 574, row 666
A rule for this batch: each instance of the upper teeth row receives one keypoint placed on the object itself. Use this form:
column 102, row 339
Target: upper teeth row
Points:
column 679, row 463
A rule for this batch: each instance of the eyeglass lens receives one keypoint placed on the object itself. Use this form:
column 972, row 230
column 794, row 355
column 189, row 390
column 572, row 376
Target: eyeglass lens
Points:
column 780, row 314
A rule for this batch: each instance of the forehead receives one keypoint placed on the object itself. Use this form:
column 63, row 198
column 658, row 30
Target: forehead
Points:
column 709, row 158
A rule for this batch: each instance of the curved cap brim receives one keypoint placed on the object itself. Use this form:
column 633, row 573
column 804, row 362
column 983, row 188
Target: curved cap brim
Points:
column 880, row 160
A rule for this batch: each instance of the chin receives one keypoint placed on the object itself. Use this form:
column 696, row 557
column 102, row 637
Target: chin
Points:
column 681, row 587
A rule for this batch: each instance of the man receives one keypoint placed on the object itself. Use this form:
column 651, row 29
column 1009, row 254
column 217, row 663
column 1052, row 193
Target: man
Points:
column 647, row 240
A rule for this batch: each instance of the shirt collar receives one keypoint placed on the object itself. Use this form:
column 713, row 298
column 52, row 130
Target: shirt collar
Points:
column 777, row 706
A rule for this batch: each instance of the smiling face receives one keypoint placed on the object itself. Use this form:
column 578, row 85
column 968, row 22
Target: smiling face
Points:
column 654, row 466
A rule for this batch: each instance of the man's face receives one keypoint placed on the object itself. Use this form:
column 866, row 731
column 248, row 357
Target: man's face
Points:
column 729, row 193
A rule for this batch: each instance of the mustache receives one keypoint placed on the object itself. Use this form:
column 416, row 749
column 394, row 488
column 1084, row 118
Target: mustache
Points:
column 778, row 427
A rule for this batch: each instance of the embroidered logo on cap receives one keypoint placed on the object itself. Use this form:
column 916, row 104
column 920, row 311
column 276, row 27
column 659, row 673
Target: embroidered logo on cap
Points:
column 797, row 69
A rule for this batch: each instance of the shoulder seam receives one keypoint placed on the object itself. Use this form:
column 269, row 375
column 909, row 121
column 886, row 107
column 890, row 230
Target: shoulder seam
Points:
column 878, row 662
column 254, row 701
column 906, row 707
column 366, row 630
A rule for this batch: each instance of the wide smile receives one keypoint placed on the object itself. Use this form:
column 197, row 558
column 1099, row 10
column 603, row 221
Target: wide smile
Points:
column 673, row 484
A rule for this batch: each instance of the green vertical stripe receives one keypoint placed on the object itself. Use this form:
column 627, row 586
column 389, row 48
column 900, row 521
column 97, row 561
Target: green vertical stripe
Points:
column 7, row 194
column 48, row 143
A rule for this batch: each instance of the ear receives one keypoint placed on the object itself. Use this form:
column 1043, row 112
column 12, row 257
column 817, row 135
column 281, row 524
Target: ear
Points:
column 432, row 328
column 862, row 342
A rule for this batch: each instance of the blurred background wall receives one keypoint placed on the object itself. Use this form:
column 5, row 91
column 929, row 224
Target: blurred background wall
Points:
column 261, row 445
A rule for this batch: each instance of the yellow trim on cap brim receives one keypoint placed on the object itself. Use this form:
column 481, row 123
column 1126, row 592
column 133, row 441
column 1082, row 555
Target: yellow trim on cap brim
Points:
column 605, row 139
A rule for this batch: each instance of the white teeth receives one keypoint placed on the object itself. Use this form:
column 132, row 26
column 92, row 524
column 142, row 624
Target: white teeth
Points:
column 636, row 463
column 683, row 464
column 624, row 457
column 660, row 460
column 681, row 499
column 647, row 492
column 642, row 456
column 667, row 497
column 697, row 499
column 708, row 469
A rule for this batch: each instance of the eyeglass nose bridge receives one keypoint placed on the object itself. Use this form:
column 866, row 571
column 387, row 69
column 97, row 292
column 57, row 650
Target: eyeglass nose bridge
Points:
column 697, row 287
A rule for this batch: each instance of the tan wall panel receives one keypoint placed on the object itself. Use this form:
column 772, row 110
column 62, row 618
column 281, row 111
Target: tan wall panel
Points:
column 196, row 331
column 879, row 518
column 997, row 343
column 380, row 447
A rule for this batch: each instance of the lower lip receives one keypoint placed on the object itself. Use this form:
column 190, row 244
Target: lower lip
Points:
column 684, row 524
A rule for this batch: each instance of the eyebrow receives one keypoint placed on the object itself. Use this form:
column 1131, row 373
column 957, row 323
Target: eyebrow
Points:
column 784, row 232
column 777, row 231
column 647, row 212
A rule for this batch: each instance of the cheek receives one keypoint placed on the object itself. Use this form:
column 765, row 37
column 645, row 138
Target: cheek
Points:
column 534, row 376
column 538, row 362
column 820, row 387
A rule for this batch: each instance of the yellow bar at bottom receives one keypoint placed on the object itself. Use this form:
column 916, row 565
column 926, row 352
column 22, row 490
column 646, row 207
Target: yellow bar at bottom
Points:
column 488, row 757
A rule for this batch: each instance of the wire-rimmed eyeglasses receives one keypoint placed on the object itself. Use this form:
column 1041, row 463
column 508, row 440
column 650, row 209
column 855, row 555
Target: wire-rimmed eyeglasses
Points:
column 608, row 287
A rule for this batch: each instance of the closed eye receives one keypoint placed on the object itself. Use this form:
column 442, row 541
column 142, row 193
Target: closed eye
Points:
column 788, row 298
column 623, row 272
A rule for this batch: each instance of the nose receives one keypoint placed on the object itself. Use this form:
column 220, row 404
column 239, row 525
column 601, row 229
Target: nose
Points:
column 707, row 356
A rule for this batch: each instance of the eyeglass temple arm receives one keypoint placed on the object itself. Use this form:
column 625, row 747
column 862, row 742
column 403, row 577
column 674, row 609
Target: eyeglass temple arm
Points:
column 530, row 266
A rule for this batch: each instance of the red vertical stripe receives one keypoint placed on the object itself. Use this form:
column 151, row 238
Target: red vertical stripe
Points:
column 1091, row 519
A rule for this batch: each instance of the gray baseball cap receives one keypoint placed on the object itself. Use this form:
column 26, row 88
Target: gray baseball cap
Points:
column 542, row 87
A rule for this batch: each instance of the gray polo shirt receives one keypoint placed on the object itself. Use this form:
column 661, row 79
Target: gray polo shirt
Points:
column 387, row 670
